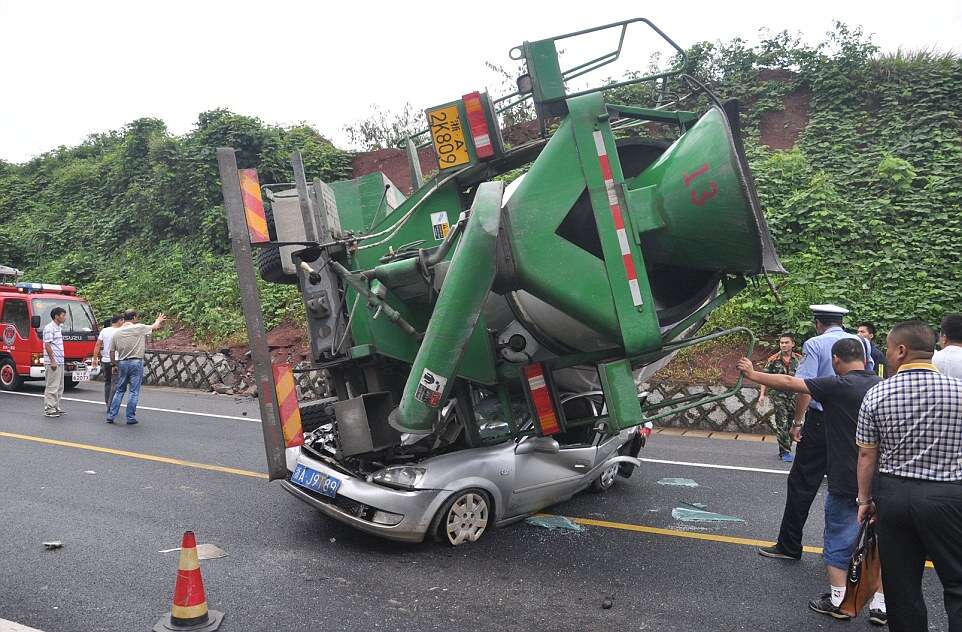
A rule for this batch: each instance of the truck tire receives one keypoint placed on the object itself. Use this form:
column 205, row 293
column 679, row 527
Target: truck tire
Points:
column 317, row 413
column 269, row 258
column 10, row 380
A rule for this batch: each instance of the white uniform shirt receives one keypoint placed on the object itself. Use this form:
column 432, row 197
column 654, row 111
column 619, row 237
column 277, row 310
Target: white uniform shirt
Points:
column 949, row 361
column 106, row 335
column 53, row 334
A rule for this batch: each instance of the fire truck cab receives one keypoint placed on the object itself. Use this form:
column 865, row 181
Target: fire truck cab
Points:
column 24, row 311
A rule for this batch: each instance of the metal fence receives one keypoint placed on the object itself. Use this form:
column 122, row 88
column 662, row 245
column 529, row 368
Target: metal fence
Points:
column 199, row 369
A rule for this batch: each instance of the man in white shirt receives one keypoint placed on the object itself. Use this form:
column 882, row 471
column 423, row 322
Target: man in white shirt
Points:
column 949, row 359
column 102, row 355
column 53, row 359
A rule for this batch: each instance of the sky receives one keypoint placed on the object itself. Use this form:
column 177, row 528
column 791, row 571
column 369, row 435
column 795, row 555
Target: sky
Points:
column 75, row 68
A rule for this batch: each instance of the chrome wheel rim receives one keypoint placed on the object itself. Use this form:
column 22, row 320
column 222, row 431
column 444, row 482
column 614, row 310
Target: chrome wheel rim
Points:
column 467, row 519
column 608, row 476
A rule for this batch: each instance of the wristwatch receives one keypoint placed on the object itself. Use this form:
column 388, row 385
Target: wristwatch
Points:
column 862, row 503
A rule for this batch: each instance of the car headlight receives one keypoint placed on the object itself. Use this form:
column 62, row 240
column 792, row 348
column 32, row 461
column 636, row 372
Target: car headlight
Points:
column 399, row 476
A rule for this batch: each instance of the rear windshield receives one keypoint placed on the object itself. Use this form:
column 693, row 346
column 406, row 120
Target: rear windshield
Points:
column 79, row 317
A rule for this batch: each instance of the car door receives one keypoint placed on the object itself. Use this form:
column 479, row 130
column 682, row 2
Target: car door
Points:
column 543, row 478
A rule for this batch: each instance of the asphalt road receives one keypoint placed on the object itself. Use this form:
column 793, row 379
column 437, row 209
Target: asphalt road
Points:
column 289, row 568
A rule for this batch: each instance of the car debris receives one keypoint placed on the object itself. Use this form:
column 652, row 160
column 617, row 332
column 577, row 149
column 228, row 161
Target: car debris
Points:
column 554, row 522
column 686, row 514
column 678, row 482
column 53, row 544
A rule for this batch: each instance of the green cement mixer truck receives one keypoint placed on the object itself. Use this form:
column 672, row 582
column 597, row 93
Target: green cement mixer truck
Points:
column 484, row 342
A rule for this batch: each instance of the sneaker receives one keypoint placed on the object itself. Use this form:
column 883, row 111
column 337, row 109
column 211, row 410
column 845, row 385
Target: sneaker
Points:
column 109, row 421
column 824, row 605
column 131, row 422
column 51, row 413
column 776, row 552
column 787, row 457
column 878, row 617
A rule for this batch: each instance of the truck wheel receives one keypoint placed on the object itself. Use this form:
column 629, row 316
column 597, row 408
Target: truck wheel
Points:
column 10, row 380
column 269, row 258
column 463, row 518
column 607, row 479
column 317, row 413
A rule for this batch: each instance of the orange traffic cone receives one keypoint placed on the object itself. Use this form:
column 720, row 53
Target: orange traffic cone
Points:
column 189, row 610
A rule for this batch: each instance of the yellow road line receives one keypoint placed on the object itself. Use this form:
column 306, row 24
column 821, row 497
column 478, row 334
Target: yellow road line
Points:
column 134, row 455
column 712, row 537
column 589, row 522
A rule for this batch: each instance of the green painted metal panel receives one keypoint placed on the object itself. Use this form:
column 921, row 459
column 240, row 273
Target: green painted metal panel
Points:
column 696, row 188
column 621, row 394
column 543, row 66
column 384, row 336
column 457, row 311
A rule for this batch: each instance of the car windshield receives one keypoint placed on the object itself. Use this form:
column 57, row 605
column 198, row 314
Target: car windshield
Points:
column 79, row 316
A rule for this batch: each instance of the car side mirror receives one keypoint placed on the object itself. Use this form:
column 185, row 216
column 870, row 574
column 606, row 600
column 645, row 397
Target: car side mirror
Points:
column 527, row 445
column 35, row 322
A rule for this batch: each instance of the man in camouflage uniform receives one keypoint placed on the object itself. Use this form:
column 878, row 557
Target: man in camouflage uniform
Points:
column 782, row 363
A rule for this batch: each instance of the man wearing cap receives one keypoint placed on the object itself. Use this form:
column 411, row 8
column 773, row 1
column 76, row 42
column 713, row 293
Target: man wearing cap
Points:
column 811, row 459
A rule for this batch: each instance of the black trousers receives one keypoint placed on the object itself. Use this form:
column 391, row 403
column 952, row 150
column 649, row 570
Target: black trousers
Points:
column 919, row 520
column 110, row 384
column 804, row 479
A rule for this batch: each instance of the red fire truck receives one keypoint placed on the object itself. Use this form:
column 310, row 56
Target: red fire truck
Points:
column 24, row 311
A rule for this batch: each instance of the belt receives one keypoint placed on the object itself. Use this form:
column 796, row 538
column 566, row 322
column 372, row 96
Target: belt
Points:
column 125, row 359
column 914, row 479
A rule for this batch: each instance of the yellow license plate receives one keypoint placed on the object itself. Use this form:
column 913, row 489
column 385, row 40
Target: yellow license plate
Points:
column 447, row 132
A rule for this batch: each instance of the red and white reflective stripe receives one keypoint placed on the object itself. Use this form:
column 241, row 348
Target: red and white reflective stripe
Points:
column 619, row 220
column 541, row 398
column 479, row 125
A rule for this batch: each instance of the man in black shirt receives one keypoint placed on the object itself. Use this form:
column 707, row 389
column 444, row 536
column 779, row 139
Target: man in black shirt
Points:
column 841, row 396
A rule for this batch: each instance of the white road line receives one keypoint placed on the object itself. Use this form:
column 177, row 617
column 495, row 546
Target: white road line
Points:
column 716, row 466
column 139, row 407
column 11, row 626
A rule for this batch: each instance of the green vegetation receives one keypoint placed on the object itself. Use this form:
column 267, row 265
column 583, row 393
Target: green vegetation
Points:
column 865, row 210
column 135, row 217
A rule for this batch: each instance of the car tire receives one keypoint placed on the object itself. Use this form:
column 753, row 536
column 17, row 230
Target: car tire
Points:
column 463, row 518
column 269, row 258
column 317, row 413
column 10, row 380
column 606, row 480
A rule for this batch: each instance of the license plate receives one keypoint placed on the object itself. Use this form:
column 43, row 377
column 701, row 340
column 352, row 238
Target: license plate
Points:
column 447, row 132
column 80, row 376
column 314, row 480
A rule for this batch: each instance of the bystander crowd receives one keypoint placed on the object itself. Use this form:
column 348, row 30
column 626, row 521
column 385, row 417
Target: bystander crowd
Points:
column 866, row 331
column 841, row 396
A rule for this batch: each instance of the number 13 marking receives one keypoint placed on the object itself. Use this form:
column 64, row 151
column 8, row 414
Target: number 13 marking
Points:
column 698, row 198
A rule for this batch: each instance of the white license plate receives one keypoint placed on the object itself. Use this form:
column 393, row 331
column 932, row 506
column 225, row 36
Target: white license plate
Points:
column 80, row 376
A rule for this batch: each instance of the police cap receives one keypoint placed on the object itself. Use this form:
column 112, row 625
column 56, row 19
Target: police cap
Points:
column 829, row 312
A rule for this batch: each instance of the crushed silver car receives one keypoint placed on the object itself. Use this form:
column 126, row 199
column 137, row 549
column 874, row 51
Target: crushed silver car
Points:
column 430, row 485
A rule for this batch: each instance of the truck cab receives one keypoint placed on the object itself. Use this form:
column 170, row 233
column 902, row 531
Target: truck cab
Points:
column 24, row 312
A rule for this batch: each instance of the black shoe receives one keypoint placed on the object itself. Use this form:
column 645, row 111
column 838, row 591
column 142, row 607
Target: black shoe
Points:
column 109, row 421
column 776, row 552
column 878, row 617
column 131, row 422
column 824, row 605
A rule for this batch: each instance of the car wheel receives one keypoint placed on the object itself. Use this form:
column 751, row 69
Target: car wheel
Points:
column 607, row 479
column 463, row 518
column 10, row 380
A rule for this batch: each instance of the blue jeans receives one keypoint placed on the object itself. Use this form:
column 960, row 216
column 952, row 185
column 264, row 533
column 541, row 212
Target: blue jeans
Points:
column 841, row 530
column 129, row 372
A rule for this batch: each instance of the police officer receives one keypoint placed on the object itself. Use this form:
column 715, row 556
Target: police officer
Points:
column 811, row 458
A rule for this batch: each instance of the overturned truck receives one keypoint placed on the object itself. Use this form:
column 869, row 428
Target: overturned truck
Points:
column 485, row 342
